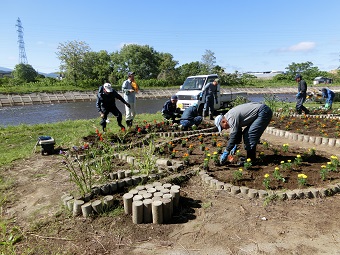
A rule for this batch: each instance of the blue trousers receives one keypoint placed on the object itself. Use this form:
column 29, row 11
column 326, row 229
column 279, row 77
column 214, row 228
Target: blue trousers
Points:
column 188, row 123
column 209, row 105
column 299, row 104
column 253, row 132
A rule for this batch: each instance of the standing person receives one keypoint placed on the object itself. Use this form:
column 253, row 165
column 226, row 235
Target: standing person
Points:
column 210, row 97
column 190, row 117
column 170, row 110
column 301, row 95
column 255, row 117
column 106, row 103
column 329, row 95
column 130, row 89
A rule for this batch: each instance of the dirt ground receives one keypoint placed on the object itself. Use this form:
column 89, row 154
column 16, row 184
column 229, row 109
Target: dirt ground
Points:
column 210, row 222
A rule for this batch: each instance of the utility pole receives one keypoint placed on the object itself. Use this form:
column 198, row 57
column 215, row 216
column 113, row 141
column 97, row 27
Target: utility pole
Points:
column 22, row 52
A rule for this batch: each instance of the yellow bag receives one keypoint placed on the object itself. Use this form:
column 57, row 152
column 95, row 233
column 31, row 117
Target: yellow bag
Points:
column 135, row 86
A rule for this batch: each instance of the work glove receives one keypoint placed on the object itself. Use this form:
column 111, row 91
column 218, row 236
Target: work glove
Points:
column 298, row 95
column 224, row 157
column 233, row 150
column 128, row 105
column 201, row 95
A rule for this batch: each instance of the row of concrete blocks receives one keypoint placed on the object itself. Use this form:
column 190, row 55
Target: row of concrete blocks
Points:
column 314, row 140
column 83, row 205
column 320, row 116
column 152, row 203
column 262, row 194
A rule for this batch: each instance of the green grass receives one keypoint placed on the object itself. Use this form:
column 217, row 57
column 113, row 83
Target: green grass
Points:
column 18, row 142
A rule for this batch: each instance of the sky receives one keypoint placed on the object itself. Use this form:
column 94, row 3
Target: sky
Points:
column 244, row 35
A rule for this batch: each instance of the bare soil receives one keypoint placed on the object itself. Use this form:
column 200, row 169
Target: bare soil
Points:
column 208, row 222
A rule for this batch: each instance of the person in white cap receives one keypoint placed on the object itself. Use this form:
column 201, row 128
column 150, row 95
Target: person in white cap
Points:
column 130, row 96
column 255, row 117
column 106, row 103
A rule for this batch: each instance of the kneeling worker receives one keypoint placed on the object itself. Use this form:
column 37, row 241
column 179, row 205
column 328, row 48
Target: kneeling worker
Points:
column 255, row 117
column 170, row 110
column 329, row 96
column 190, row 117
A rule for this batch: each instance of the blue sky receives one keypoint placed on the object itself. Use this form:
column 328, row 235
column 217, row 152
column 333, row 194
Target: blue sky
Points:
column 245, row 35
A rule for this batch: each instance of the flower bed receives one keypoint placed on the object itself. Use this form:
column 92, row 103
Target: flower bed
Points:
column 278, row 166
column 308, row 125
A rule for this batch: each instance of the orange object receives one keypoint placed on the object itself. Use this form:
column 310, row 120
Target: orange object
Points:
column 134, row 86
column 230, row 158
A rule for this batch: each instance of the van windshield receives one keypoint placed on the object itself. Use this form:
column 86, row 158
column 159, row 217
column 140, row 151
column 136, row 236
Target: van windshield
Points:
column 195, row 83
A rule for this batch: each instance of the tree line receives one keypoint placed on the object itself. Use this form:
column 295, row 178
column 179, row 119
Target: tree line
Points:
column 80, row 65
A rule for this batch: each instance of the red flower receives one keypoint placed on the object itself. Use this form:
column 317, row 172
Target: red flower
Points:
column 139, row 130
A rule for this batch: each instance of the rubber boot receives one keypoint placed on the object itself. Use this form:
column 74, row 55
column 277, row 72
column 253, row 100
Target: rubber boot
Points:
column 128, row 123
column 211, row 116
column 252, row 155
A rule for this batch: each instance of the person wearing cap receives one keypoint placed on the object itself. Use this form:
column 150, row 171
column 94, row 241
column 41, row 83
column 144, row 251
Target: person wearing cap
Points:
column 301, row 95
column 106, row 103
column 190, row 117
column 129, row 91
column 210, row 90
column 170, row 110
column 248, row 120
column 329, row 96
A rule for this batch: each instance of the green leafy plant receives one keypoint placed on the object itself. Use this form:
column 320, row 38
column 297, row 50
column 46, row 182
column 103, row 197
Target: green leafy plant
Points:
column 277, row 175
column 81, row 173
column 298, row 160
column 238, row 174
column 247, row 164
column 266, row 181
column 286, row 165
column 215, row 158
column 285, row 147
column 302, row 179
column 324, row 172
column 145, row 160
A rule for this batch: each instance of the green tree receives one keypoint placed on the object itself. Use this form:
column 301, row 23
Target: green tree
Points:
column 208, row 61
column 189, row 69
column 99, row 66
column 143, row 60
column 25, row 72
column 167, row 67
column 306, row 69
column 74, row 60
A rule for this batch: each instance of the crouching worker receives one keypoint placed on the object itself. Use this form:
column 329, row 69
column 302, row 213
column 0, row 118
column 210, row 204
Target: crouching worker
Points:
column 170, row 110
column 106, row 103
column 255, row 117
column 190, row 117
column 329, row 96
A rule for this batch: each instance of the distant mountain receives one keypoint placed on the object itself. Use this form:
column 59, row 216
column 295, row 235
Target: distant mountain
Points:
column 52, row 75
column 5, row 69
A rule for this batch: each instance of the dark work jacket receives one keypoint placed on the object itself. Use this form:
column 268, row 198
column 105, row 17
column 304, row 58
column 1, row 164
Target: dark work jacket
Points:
column 107, row 101
column 302, row 87
column 169, row 108
column 190, row 113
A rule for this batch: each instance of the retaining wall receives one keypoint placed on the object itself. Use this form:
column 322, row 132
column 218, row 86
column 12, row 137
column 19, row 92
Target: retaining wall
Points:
column 74, row 96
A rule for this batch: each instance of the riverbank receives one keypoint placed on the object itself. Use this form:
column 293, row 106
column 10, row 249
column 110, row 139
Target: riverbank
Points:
column 74, row 96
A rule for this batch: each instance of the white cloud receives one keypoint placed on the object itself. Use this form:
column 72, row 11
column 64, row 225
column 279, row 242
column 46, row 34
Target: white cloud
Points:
column 301, row 46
